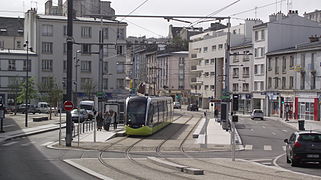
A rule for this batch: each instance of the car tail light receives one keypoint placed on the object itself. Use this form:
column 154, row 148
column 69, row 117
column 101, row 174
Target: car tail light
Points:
column 297, row 144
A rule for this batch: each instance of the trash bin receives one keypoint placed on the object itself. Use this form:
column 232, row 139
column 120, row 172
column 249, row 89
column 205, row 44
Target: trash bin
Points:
column 301, row 125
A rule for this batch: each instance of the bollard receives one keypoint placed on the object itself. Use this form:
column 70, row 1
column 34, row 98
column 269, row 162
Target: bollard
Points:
column 301, row 125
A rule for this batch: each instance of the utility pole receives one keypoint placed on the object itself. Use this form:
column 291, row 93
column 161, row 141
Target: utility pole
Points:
column 69, row 70
column 27, row 83
column 100, row 68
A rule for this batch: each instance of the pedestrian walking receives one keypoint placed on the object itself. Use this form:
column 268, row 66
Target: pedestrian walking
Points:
column 100, row 121
column 107, row 119
column 113, row 116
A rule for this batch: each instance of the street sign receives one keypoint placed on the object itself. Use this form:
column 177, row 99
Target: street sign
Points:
column 68, row 105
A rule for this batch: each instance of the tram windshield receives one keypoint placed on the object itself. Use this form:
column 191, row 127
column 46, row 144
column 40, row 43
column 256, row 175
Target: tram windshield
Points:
column 136, row 113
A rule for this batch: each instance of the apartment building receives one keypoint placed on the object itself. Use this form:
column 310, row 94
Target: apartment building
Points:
column 241, row 73
column 282, row 31
column 207, row 52
column 11, row 33
column 293, row 81
column 313, row 16
column 47, row 36
column 13, row 71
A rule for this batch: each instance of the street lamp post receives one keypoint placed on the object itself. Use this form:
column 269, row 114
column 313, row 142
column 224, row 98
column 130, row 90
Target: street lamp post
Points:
column 27, row 83
column 76, row 80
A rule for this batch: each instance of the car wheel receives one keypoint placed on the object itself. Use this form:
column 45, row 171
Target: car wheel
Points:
column 294, row 163
column 287, row 159
column 262, row 119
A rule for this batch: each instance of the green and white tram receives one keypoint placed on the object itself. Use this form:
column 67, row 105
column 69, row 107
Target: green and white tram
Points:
column 145, row 115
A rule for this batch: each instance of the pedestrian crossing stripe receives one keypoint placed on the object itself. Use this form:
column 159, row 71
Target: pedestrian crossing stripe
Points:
column 267, row 148
column 248, row 147
column 10, row 143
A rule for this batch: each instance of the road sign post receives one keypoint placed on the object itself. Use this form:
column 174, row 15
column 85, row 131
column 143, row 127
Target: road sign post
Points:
column 68, row 105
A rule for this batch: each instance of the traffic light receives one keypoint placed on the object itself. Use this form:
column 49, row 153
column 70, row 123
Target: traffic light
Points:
column 235, row 102
column 282, row 100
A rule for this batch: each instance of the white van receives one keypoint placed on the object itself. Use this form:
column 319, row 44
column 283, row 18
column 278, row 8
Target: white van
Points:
column 89, row 106
column 43, row 107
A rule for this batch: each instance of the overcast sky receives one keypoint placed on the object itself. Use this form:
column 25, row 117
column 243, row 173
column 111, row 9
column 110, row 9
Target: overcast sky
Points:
column 159, row 27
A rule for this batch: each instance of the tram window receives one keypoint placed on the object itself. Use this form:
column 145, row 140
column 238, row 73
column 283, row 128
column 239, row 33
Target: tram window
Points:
column 136, row 112
column 151, row 114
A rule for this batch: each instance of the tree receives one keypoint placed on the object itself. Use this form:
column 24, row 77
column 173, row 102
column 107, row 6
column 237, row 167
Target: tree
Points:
column 51, row 93
column 32, row 92
column 15, row 87
column 89, row 88
column 177, row 43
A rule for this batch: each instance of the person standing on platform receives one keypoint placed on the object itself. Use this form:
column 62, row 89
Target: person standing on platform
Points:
column 100, row 121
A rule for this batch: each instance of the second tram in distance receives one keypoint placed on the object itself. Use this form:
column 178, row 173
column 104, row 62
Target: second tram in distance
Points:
column 145, row 115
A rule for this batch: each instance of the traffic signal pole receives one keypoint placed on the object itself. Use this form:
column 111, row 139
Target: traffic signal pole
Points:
column 69, row 70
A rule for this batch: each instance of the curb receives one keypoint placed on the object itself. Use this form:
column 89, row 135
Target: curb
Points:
column 171, row 165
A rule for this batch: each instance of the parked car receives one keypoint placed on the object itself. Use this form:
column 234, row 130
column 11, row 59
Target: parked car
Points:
column 303, row 146
column 83, row 115
column 192, row 107
column 43, row 107
column 31, row 108
column 177, row 105
column 257, row 113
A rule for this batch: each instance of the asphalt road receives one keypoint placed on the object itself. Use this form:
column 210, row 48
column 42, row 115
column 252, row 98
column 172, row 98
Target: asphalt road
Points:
column 28, row 158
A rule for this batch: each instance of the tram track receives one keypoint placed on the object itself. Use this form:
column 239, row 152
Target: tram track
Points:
column 181, row 147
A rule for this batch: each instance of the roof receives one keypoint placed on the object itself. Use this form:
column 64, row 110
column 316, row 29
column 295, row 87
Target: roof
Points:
column 282, row 51
column 11, row 26
column 86, row 19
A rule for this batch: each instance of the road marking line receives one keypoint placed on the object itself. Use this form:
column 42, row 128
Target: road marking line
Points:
column 284, row 148
column 274, row 133
column 9, row 125
column 267, row 148
column 263, row 127
column 47, row 143
column 10, row 143
column 248, row 147
column 284, row 130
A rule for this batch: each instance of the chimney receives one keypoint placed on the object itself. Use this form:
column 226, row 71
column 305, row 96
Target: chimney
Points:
column 272, row 17
column 314, row 38
column 279, row 16
column 293, row 13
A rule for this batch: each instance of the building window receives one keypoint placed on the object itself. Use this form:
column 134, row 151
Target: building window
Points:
column 276, row 67
column 276, row 82
column 246, row 72
column 85, row 83
column 105, row 51
column 120, row 84
column 120, row 68
column 105, row 68
column 270, row 64
column 255, row 69
column 206, row 87
column 12, row 65
column 262, row 35
column 86, row 32
column 85, row 66
column 25, row 65
column 105, row 83
column 291, row 62
column 256, row 35
column 283, row 82
column 256, row 86
column 270, row 83
column 121, row 33
column 235, row 87
column 262, row 85
column 262, row 69
column 283, row 64
column 65, row 66
column 291, row 82
column 302, row 60
column 220, row 46
column 1, row 44
column 120, row 50
column 212, row 61
column 46, row 81
column 207, row 61
column 105, row 33
column 212, row 87
column 65, row 48
column 47, row 47
column 46, row 65
column 313, row 77
column 214, row 48
column 246, row 87
column 205, row 49
column 65, row 30
column 18, row 44
column 85, row 49
column 47, row 30
column 235, row 72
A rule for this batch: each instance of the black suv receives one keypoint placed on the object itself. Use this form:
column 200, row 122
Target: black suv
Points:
column 303, row 146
